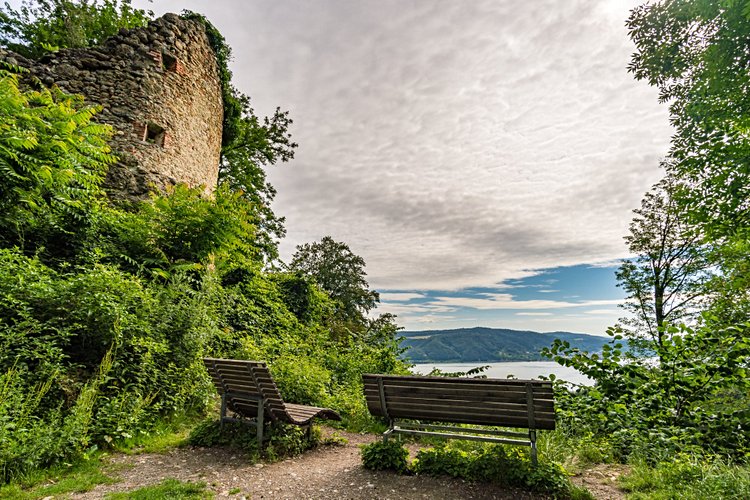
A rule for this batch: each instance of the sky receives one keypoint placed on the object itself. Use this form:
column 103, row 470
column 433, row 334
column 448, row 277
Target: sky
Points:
column 483, row 157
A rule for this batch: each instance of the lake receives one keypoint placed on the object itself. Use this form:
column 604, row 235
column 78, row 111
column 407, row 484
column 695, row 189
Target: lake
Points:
column 520, row 369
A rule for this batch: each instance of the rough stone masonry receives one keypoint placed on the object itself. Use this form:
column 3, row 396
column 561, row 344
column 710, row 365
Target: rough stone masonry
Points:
column 159, row 89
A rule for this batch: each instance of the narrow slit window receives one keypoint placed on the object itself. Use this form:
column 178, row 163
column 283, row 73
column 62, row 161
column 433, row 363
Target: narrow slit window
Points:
column 169, row 63
column 155, row 134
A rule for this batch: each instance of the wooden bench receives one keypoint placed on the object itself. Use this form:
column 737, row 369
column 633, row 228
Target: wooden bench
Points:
column 527, row 404
column 248, row 390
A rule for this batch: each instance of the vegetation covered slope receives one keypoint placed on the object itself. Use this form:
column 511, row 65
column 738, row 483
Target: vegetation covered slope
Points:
column 106, row 311
column 488, row 344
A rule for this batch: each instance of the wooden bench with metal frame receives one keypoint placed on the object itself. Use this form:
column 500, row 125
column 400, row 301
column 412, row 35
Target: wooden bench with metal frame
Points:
column 248, row 390
column 412, row 405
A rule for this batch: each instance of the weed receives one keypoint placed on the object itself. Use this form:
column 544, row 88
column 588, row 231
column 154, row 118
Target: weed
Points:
column 384, row 455
column 166, row 490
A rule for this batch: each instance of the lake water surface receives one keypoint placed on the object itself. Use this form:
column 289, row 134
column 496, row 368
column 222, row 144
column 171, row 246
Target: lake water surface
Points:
column 519, row 369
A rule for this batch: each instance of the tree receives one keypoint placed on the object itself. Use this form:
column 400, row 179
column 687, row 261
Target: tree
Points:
column 339, row 272
column 664, row 280
column 695, row 53
column 42, row 25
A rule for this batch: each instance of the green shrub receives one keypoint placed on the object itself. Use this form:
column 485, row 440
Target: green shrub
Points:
column 288, row 440
column 211, row 432
column 301, row 380
column 30, row 438
column 385, row 455
column 284, row 440
column 497, row 464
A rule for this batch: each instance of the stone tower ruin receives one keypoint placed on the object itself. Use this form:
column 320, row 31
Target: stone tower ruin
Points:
column 159, row 88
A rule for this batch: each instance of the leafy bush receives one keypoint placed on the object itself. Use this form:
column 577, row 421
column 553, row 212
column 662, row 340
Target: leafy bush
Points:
column 494, row 463
column 211, row 432
column 284, row 440
column 53, row 159
column 30, row 438
column 385, row 455
column 474, row 462
column 695, row 398
column 300, row 379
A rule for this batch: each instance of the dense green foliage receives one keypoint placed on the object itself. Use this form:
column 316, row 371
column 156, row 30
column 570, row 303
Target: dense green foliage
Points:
column 284, row 440
column 385, row 455
column 688, row 476
column 695, row 53
column 688, row 394
column 105, row 313
column 52, row 161
column 39, row 26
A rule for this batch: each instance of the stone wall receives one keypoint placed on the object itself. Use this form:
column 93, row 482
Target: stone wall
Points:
column 160, row 90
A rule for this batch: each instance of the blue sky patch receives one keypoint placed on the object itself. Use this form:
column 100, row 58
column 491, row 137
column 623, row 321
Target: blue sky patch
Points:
column 578, row 298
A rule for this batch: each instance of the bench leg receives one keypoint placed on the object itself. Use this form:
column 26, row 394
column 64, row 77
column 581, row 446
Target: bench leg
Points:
column 532, row 438
column 223, row 411
column 259, row 426
column 387, row 433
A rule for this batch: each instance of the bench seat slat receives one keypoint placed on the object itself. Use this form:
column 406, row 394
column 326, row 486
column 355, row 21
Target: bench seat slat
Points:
column 539, row 407
column 411, row 381
column 450, row 389
column 489, row 398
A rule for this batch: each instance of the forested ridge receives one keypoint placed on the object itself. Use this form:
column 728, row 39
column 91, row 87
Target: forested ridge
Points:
column 462, row 345
column 106, row 309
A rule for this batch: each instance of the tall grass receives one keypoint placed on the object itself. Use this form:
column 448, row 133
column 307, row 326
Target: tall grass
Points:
column 688, row 476
column 32, row 436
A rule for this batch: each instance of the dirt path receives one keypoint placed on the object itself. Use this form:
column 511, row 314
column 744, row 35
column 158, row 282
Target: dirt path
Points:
column 329, row 472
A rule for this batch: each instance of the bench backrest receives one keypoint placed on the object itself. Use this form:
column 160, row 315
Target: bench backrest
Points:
column 244, row 382
column 502, row 402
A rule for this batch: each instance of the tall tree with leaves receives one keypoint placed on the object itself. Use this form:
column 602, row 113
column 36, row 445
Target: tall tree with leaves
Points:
column 664, row 280
column 340, row 272
column 696, row 53
column 39, row 26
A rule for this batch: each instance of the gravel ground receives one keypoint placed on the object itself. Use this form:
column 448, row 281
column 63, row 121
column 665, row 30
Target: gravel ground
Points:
column 329, row 472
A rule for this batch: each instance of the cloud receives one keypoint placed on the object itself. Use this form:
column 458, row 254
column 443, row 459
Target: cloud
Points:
column 602, row 311
column 399, row 296
column 451, row 144
column 507, row 301
column 412, row 309
column 533, row 314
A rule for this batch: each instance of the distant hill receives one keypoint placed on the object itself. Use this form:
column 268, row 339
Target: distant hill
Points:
column 488, row 344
